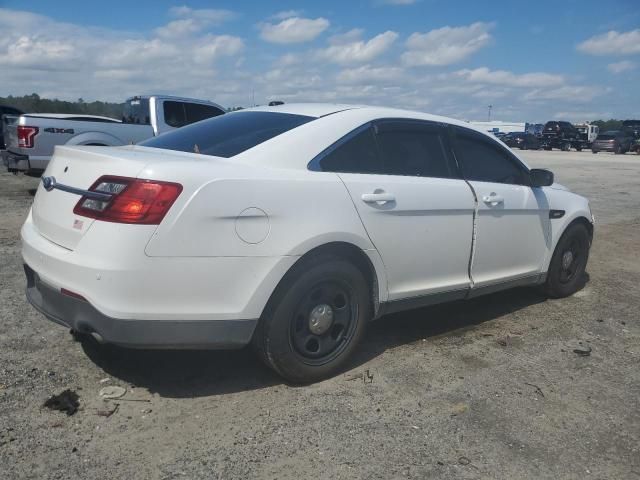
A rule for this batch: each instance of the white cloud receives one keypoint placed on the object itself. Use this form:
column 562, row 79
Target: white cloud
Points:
column 190, row 21
column 446, row 45
column 293, row 30
column 612, row 43
column 621, row 67
column 127, row 64
column 368, row 74
column 286, row 14
column 503, row 77
column 209, row 15
column 567, row 93
column 358, row 51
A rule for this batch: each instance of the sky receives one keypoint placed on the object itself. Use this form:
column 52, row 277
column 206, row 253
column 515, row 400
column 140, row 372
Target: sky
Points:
column 531, row 61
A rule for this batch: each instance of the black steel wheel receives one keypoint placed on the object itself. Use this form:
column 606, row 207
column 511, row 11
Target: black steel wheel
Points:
column 324, row 322
column 314, row 319
column 569, row 261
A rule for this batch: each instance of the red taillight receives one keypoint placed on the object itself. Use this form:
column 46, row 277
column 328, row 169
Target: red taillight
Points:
column 26, row 135
column 133, row 200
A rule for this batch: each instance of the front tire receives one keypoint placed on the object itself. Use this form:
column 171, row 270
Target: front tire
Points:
column 569, row 261
column 315, row 319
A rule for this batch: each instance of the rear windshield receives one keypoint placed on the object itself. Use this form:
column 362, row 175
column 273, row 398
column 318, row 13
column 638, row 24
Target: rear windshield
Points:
column 228, row 135
column 136, row 110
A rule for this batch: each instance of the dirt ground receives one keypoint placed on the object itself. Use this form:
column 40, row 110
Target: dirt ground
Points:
column 489, row 388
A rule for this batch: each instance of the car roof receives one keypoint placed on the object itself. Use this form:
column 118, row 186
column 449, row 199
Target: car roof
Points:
column 371, row 112
column 316, row 110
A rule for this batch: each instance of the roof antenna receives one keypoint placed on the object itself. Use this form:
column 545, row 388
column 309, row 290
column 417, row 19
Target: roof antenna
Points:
column 196, row 149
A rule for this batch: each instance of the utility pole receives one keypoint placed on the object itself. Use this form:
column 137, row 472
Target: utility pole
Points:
column 489, row 116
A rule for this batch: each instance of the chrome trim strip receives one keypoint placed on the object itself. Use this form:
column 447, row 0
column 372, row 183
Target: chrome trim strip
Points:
column 49, row 183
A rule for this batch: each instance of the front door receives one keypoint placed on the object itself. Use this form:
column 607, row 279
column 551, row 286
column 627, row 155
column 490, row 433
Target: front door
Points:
column 512, row 224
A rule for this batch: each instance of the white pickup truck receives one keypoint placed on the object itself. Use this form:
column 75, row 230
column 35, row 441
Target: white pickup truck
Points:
column 31, row 138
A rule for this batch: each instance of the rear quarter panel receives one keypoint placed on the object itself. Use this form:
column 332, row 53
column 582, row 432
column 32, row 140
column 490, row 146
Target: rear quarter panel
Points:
column 301, row 210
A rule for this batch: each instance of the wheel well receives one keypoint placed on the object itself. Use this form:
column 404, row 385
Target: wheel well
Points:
column 583, row 221
column 355, row 255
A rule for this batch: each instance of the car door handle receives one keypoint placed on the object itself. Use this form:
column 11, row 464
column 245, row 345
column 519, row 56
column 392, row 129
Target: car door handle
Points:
column 381, row 197
column 493, row 199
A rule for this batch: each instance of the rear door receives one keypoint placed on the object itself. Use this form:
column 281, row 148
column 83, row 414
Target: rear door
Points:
column 415, row 208
column 512, row 224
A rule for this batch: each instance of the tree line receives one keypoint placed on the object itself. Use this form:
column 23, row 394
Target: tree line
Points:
column 35, row 104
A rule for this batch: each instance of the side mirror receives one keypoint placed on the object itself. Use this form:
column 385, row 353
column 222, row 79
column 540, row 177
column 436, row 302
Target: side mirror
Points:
column 541, row 177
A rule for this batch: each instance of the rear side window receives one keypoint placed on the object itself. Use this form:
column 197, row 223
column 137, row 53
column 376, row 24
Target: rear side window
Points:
column 398, row 148
column 414, row 149
column 356, row 153
column 483, row 160
column 228, row 135
column 174, row 114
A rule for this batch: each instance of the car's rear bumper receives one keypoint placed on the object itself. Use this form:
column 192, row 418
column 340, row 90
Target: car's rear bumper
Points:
column 81, row 316
column 602, row 148
column 17, row 162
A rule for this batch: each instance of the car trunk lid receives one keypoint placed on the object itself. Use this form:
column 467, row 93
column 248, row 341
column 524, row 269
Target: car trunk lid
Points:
column 78, row 168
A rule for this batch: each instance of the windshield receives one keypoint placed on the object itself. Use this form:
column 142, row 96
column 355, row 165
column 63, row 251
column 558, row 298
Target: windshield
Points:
column 136, row 110
column 228, row 135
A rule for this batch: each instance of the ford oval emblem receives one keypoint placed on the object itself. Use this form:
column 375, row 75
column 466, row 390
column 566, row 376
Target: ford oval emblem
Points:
column 49, row 183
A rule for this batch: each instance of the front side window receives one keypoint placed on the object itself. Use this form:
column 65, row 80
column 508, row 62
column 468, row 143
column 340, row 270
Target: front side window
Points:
column 228, row 135
column 484, row 161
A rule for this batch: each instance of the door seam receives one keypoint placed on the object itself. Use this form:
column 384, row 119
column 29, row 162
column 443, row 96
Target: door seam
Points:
column 474, row 234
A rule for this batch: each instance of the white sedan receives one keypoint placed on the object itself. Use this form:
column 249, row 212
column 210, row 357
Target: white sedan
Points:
column 290, row 228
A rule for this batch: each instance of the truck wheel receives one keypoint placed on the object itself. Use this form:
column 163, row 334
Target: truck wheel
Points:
column 566, row 147
column 566, row 270
column 578, row 149
column 315, row 319
column 547, row 148
column 594, row 151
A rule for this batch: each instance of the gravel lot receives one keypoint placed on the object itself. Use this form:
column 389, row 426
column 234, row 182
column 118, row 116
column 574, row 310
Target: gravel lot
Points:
column 489, row 388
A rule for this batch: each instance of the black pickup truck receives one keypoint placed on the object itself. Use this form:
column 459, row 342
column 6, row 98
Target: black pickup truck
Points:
column 561, row 135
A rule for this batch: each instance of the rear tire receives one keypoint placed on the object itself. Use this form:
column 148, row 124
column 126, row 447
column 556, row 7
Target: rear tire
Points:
column 566, row 147
column 569, row 261
column 296, row 336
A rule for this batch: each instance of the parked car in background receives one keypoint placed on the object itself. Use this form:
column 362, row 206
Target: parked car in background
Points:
column 562, row 135
column 521, row 140
column 6, row 110
column 587, row 133
column 613, row 141
column 632, row 128
column 291, row 227
column 31, row 138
